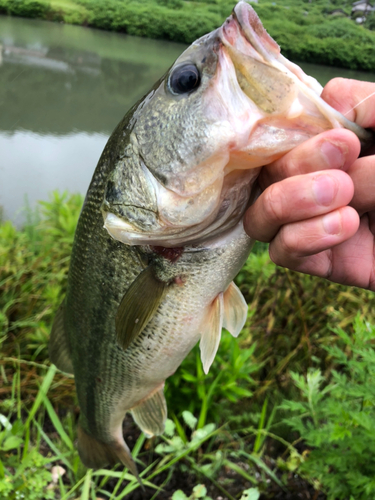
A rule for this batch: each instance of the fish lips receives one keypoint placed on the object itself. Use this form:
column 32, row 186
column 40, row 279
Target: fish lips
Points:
column 250, row 26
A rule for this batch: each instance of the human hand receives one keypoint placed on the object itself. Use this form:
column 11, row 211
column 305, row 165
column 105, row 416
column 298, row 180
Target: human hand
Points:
column 317, row 208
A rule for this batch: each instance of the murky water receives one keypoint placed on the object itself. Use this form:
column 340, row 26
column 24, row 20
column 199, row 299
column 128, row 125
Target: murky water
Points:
column 63, row 89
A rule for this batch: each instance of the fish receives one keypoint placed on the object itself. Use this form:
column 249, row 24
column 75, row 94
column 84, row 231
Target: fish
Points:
column 160, row 236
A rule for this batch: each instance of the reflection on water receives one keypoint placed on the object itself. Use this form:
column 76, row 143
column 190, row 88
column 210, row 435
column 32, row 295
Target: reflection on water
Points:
column 325, row 73
column 59, row 78
column 63, row 89
column 33, row 165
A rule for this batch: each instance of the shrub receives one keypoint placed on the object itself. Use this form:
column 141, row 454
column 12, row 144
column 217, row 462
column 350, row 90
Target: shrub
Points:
column 370, row 22
column 25, row 8
column 172, row 4
column 341, row 28
column 337, row 420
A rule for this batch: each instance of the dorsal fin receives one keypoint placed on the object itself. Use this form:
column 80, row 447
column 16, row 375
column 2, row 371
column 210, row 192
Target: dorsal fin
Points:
column 138, row 306
column 210, row 339
column 151, row 413
column 235, row 310
column 58, row 346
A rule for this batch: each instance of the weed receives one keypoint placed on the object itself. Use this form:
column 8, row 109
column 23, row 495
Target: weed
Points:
column 337, row 420
column 229, row 379
column 295, row 322
column 199, row 492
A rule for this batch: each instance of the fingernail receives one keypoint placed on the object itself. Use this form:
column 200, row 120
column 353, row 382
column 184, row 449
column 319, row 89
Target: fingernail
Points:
column 333, row 154
column 324, row 189
column 332, row 223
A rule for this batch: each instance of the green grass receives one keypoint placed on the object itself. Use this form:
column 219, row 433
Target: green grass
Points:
column 337, row 420
column 230, row 420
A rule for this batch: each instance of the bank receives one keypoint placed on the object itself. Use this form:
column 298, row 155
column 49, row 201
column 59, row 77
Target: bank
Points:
column 309, row 32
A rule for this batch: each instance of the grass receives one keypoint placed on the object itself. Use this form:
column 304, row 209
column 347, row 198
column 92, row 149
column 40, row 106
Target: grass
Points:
column 226, row 430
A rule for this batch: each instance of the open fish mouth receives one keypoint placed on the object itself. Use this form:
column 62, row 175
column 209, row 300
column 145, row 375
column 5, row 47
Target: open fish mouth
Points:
column 249, row 106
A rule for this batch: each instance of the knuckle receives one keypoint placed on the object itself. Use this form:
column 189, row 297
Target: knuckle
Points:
column 290, row 242
column 284, row 249
column 338, row 93
column 275, row 255
column 296, row 164
column 334, row 85
column 335, row 89
column 274, row 204
column 329, row 255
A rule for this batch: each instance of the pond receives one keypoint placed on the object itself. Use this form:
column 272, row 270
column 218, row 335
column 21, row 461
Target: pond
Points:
column 63, row 89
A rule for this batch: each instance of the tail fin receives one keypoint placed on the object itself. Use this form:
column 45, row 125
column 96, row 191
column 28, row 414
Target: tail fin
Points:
column 95, row 454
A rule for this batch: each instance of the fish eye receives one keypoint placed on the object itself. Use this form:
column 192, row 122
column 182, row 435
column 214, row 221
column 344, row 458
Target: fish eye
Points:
column 184, row 79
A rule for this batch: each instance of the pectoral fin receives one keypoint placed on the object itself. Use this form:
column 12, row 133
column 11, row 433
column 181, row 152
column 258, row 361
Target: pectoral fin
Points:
column 58, row 346
column 138, row 306
column 151, row 413
column 210, row 339
column 235, row 310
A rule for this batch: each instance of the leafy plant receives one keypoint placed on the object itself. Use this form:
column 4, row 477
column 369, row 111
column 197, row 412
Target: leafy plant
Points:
column 24, row 8
column 33, row 270
column 229, row 380
column 176, row 439
column 199, row 491
column 337, row 420
column 291, row 316
column 289, row 326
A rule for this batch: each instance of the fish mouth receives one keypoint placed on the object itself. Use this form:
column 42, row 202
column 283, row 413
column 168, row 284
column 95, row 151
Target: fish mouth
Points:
column 245, row 23
column 234, row 199
column 258, row 61
column 265, row 106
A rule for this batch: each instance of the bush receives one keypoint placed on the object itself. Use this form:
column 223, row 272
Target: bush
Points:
column 33, row 271
column 370, row 22
column 337, row 420
column 342, row 28
column 154, row 20
column 172, row 4
column 25, row 8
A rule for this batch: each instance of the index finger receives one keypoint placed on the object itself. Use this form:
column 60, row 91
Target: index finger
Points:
column 353, row 98
column 333, row 149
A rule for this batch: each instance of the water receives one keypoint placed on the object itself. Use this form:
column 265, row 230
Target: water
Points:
column 63, row 89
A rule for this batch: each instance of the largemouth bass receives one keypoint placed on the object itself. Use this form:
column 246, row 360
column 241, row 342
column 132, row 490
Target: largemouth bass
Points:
column 160, row 236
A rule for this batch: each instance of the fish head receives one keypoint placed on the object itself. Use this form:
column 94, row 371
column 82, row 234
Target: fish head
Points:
column 230, row 104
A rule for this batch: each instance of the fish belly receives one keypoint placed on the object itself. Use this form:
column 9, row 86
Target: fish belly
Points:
column 178, row 325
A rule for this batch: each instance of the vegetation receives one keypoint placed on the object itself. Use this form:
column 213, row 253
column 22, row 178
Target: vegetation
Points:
column 288, row 406
column 337, row 420
column 312, row 31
